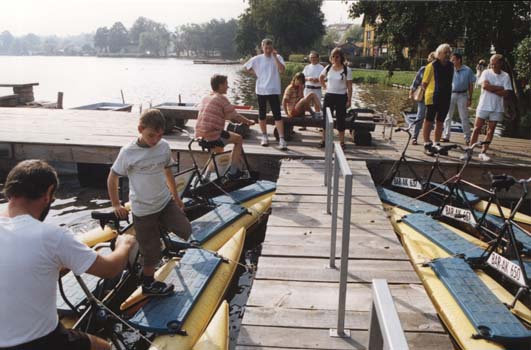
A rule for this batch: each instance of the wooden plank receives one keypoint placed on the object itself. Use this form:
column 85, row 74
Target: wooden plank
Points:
column 280, row 317
column 361, row 246
column 317, row 270
column 258, row 337
column 301, row 198
column 296, row 218
column 324, row 296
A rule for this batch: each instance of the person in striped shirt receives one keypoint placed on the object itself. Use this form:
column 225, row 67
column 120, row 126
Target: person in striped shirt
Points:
column 214, row 110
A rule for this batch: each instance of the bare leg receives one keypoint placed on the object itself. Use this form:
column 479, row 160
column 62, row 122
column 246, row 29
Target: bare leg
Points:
column 341, row 136
column 279, row 125
column 490, row 135
column 97, row 343
column 149, row 270
column 263, row 126
column 438, row 130
column 478, row 124
column 426, row 130
column 237, row 140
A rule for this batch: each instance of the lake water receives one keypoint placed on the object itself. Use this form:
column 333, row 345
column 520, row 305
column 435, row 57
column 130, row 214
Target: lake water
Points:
column 144, row 81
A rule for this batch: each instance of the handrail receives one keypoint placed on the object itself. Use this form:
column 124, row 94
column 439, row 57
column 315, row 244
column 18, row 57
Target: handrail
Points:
column 385, row 330
column 329, row 150
column 341, row 165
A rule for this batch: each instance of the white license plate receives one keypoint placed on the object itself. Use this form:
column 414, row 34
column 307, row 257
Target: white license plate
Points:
column 406, row 182
column 507, row 267
column 463, row 215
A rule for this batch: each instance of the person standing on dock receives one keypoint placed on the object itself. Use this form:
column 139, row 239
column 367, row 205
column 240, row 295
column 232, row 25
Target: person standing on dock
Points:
column 336, row 79
column 311, row 73
column 267, row 67
column 496, row 85
column 462, row 89
column 214, row 110
column 155, row 202
column 437, row 84
column 421, row 107
column 33, row 255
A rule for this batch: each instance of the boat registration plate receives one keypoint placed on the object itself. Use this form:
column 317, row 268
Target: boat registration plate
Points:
column 507, row 267
column 463, row 215
column 406, row 182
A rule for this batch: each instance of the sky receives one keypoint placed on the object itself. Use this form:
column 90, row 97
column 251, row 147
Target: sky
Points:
column 71, row 17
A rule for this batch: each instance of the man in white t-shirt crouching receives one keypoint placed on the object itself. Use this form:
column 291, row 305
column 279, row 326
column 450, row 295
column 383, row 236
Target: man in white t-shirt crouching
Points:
column 496, row 85
column 32, row 255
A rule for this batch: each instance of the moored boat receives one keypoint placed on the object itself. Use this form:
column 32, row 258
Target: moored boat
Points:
column 107, row 106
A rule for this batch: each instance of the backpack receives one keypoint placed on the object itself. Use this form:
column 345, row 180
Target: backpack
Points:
column 344, row 75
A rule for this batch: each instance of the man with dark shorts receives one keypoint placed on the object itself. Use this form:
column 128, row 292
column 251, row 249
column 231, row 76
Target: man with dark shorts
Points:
column 437, row 84
column 267, row 68
column 33, row 254
column 215, row 109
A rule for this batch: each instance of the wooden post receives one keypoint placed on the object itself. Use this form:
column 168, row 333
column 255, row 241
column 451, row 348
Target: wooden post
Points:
column 122, row 92
column 59, row 100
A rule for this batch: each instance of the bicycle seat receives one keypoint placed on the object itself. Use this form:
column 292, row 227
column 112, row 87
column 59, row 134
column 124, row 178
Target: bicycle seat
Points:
column 502, row 181
column 106, row 217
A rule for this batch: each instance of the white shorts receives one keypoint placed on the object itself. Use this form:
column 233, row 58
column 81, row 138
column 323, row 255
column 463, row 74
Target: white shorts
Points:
column 490, row 115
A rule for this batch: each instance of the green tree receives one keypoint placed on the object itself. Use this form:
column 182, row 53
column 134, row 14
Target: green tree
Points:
column 330, row 39
column 101, row 39
column 141, row 25
column 247, row 34
column 353, row 34
column 6, row 40
column 294, row 25
column 118, row 37
column 522, row 56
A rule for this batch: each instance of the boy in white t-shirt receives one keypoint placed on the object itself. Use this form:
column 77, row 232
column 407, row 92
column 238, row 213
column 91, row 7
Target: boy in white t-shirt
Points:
column 496, row 85
column 153, row 195
column 33, row 253
column 267, row 68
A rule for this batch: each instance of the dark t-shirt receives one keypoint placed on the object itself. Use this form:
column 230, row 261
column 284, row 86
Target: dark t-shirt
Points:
column 444, row 75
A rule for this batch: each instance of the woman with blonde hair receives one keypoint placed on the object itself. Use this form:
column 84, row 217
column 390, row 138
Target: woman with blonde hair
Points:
column 336, row 79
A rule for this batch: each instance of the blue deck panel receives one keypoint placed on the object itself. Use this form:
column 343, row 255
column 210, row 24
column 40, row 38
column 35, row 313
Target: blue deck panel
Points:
column 73, row 292
column 442, row 236
column 214, row 221
column 166, row 315
column 489, row 316
column 521, row 236
column 404, row 202
column 247, row 193
column 471, row 197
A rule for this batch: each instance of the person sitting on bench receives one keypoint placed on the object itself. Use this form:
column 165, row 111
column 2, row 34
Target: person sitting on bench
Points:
column 295, row 104
column 214, row 110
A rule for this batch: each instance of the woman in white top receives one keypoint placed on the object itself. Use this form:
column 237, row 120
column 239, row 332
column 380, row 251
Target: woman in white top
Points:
column 336, row 79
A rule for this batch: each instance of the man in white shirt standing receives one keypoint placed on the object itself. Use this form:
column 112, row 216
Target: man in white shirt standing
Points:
column 312, row 72
column 32, row 255
column 267, row 67
column 496, row 85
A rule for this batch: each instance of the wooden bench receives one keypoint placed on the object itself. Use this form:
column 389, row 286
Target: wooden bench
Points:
column 24, row 92
column 360, row 126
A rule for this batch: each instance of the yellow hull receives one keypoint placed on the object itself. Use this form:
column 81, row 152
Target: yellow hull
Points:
column 422, row 250
column 518, row 217
column 206, row 305
column 216, row 336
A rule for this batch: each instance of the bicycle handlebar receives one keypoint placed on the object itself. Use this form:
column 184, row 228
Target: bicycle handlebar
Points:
column 409, row 126
column 471, row 147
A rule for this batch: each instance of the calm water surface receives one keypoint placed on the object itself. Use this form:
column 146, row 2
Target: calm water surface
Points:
column 87, row 80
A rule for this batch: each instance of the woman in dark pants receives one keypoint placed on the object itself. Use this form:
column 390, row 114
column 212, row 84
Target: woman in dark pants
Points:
column 336, row 79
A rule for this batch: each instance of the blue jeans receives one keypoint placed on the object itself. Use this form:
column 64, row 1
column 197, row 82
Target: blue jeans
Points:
column 421, row 113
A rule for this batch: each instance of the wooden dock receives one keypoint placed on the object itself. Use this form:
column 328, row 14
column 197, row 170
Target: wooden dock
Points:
column 294, row 296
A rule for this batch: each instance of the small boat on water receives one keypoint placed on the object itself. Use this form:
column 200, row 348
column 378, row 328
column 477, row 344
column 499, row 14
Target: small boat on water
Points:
column 216, row 61
column 107, row 106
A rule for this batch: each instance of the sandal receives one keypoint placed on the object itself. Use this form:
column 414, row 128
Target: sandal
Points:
column 414, row 142
column 321, row 144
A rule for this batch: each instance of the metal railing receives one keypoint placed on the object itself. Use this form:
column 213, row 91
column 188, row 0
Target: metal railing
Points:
column 385, row 330
column 340, row 165
column 329, row 149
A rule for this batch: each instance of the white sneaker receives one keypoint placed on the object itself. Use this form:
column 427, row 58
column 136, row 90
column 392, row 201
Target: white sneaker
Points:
column 282, row 145
column 483, row 157
column 264, row 142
